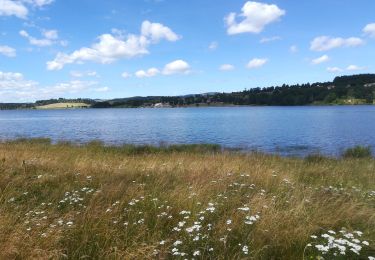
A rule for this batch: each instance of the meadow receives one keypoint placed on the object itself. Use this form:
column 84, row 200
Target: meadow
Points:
column 65, row 201
column 64, row 105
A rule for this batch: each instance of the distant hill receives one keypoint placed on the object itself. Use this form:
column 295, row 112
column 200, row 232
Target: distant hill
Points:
column 355, row 89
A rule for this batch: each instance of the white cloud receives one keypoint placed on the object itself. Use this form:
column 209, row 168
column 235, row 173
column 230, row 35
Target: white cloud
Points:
column 349, row 68
column 320, row 60
column 13, row 8
column 157, row 32
column 226, row 67
column 270, row 39
column 38, row 3
column 213, row 46
column 81, row 74
column 293, row 49
column 7, row 51
column 176, row 67
column 325, row 43
column 148, row 73
column 256, row 63
column 49, row 38
column 14, row 81
column 354, row 67
column 334, row 69
column 370, row 30
column 110, row 48
column 19, row 8
column 126, row 75
column 15, row 88
column 255, row 17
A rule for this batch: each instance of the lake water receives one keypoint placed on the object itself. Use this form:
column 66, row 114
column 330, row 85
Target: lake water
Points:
column 284, row 130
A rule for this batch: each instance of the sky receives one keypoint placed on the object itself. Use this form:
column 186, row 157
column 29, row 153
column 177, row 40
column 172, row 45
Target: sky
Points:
column 124, row 48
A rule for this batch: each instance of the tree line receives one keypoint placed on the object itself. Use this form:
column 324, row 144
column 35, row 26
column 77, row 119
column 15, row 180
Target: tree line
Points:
column 354, row 89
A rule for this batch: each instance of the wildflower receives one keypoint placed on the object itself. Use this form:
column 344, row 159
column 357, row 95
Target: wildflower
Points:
column 178, row 242
column 162, row 242
column 244, row 209
column 229, row 222
column 245, row 250
column 196, row 253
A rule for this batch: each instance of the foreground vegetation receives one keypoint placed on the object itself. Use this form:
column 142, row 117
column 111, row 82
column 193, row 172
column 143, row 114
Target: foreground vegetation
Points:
column 96, row 202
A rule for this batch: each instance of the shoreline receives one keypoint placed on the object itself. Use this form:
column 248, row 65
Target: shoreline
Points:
column 287, row 152
column 192, row 106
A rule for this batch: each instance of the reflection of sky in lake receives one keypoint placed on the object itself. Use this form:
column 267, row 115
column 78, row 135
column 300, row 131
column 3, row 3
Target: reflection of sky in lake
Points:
column 286, row 130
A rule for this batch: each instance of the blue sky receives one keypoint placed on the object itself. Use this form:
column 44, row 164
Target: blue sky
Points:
column 122, row 48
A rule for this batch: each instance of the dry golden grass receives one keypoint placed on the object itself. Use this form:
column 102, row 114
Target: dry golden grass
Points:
column 64, row 106
column 128, row 203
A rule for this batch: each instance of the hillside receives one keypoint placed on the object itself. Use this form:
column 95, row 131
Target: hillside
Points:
column 345, row 90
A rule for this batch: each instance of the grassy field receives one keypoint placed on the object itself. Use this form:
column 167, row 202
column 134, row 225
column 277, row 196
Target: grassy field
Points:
column 93, row 202
column 64, row 106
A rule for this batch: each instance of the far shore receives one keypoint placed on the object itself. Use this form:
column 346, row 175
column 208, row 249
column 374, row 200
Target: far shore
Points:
column 70, row 106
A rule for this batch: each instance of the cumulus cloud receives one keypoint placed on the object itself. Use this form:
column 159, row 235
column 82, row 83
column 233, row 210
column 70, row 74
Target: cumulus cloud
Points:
column 369, row 30
column 320, row 60
column 256, row 63
column 148, row 73
column 110, row 48
column 226, row 67
column 15, row 88
column 157, row 32
column 176, row 67
column 255, row 16
column 349, row 68
column 38, row 3
column 13, row 8
column 7, row 51
column 354, row 67
column 325, row 43
column 15, row 81
column 19, row 8
column 50, row 37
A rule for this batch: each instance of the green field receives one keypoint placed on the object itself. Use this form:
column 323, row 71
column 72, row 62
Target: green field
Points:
column 181, row 202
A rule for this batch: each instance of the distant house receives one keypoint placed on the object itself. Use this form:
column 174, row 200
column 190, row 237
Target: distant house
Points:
column 369, row 85
column 162, row 105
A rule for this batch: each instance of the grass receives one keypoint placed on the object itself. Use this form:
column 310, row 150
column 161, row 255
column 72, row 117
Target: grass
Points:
column 358, row 152
column 97, row 202
column 64, row 106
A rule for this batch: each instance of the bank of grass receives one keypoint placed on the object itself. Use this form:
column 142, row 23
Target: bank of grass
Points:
column 96, row 202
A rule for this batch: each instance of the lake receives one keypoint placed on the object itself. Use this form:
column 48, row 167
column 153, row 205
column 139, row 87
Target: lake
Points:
column 293, row 131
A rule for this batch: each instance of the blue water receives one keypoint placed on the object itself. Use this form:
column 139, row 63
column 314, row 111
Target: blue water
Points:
column 283, row 130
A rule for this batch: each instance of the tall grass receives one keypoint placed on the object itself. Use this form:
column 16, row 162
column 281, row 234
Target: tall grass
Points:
column 358, row 152
column 98, row 202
